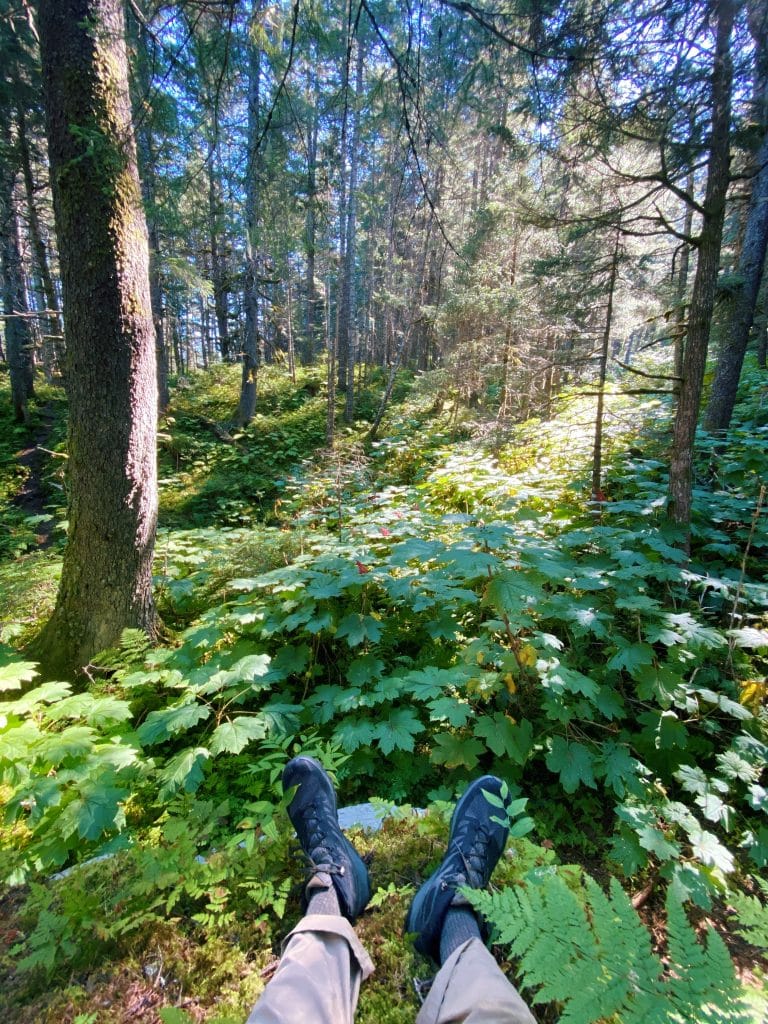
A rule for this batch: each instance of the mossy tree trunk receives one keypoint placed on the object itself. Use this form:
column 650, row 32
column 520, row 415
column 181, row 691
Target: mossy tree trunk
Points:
column 106, row 582
column 705, row 281
column 753, row 247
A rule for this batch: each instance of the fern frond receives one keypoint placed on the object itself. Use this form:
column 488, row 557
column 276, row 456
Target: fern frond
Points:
column 134, row 644
column 702, row 985
column 752, row 916
column 589, row 952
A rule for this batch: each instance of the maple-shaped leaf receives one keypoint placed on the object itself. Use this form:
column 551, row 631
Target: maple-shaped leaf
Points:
column 709, row 850
column 626, row 851
column 454, row 750
column 618, row 765
column 398, row 732
column 573, row 762
column 511, row 592
column 325, row 702
column 451, row 710
column 505, row 737
column 47, row 693
column 664, row 729
column 387, row 688
column 71, row 743
column 654, row 841
column 609, row 703
column 159, row 725
column 184, row 771
column 430, row 682
column 357, row 628
column 352, row 733
column 96, row 809
column 363, row 670
column 571, row 680
column 233, row 736
column 630, row 656
column 16, row 673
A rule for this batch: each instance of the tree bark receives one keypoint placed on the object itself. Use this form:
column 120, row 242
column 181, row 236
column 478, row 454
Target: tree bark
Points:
column 342, row 300
column 251, row 352
column 313, row 298
column 18, row 334
column 753, row 249
column 147, row 162
column 350, row 254
column 106, row 582
column 705, row 281
column 681, row 292
column 53, row 331
column 597, row 449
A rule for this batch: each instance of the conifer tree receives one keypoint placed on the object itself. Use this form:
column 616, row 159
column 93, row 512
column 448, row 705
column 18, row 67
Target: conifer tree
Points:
column 106, row 582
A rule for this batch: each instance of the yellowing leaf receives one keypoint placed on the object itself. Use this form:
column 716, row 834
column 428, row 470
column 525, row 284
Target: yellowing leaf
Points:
column 509, row 681
column 753, row 693
column 526, row 656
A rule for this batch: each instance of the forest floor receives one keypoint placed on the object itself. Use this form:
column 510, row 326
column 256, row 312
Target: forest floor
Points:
column 169, row 932
column 31, row 499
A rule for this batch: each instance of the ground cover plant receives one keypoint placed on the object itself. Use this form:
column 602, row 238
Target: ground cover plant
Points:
column 444, row 602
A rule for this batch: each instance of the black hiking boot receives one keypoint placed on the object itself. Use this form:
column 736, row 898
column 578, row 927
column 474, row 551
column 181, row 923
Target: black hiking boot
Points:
column 475, row 844
column 313, row 813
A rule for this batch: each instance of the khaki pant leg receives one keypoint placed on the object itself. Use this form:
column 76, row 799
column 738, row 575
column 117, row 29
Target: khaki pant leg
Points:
column 322, row 965
column 470, row 988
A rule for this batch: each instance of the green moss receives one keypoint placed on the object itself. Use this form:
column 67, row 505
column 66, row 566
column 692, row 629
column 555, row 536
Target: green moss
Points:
column 28, row 588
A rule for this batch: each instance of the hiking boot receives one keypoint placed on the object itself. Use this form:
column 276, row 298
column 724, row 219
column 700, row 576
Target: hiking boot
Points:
column 313, row 814
column 475, row 844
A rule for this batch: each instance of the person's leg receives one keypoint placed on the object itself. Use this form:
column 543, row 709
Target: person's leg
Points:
column 322, row 965
column 469, row 988
column 323, row 961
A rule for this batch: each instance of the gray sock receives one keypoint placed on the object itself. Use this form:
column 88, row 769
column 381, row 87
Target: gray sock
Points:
column 321, row 895
column 460, row 925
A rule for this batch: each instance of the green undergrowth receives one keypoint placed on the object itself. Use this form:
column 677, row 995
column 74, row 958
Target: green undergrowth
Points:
column 181, row 923
column 46, row 428
column 212, row 470
column 445, row 602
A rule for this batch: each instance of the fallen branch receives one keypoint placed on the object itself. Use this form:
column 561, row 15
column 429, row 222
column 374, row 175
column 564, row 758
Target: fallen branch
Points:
column 641, row 898
column 642, row 373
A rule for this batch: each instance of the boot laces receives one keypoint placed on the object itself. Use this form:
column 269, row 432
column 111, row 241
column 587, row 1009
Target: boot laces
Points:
column 474, row 861
column 316, row 851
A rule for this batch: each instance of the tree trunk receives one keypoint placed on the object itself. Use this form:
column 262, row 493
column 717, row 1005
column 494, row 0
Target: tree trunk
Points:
column 705, row 281
column 218, row 274
column 146, row 157
column 597, row 450
column 342, row 301
column 53, row 331
column 251, row 352
column 289, row 328
column 681, row 292
column 351, row 246
column 106, row 582
column 313, row 298
column 405, row 337
column 752, row 256
column 18, row 334
column 330, row 344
